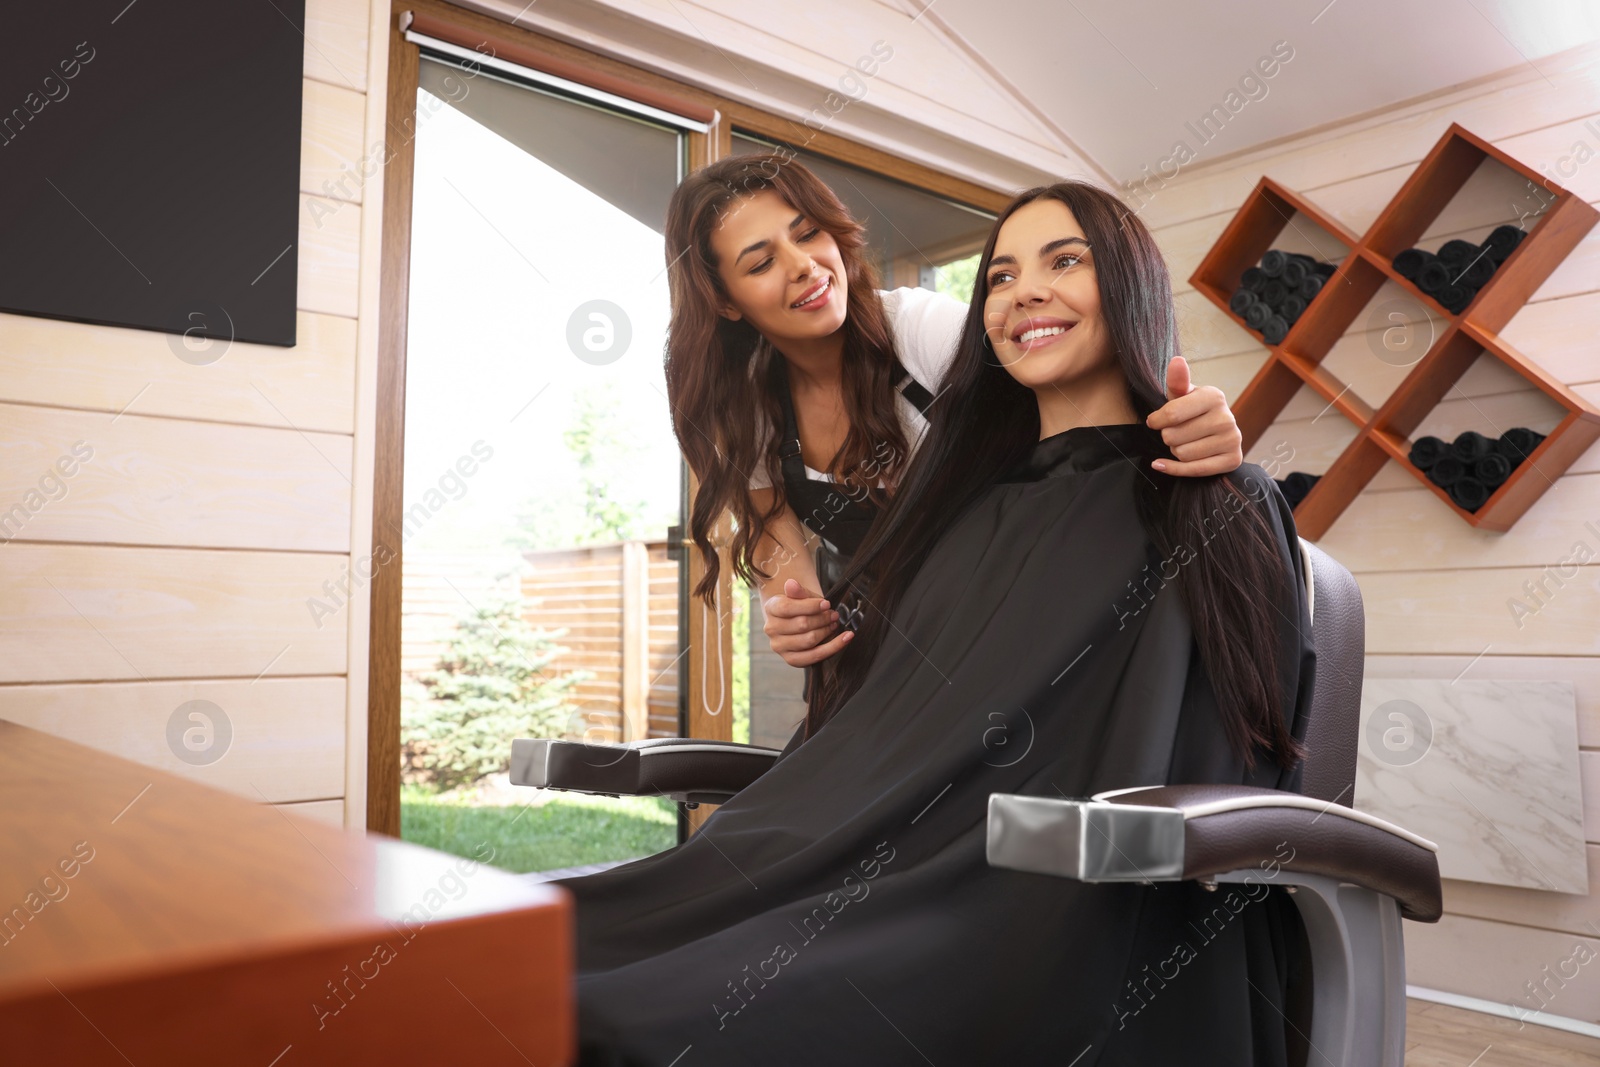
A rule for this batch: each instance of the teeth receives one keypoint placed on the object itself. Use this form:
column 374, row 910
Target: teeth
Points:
column 1046, row 331
column 827, row 283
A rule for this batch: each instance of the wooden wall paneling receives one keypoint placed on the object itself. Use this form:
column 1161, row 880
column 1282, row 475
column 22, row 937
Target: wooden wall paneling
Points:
column 1416, row 612
column 327, row 811
column 285, row 735
column 330, row 256
column 1492, row 960
column 1406, row 530
column 1500, row 107
column 73, row 613
column 336, row 42
column 161, row 481
column 112, row 369
column 332, row 121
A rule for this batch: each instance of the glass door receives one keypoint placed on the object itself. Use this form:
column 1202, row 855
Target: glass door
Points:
column 541, row 477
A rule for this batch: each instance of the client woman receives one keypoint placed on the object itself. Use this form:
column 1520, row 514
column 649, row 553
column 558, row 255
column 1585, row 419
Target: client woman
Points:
column 1053, row 618
column 789, row 394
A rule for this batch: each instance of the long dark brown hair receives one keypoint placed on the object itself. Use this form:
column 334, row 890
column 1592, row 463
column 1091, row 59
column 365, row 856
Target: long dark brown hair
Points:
column 714, row 392
column 987, row 422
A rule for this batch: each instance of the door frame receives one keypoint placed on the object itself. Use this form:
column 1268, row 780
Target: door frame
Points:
column 704, row 717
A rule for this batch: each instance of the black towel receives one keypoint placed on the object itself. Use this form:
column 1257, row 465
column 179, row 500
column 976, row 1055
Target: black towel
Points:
column 1477, row 272
column 1502, row 241
column 1272, row 263
column 1324, row 270
column 1518, row 443
column 1433, row 277
column 1296, row 485
column 1457, row 253
column 1409, row 263
column 1252, row 279
column 1240, row 301
column 1468, row 493
column 1292, row 307
column 1455, row 298
column 1256, row 315
column 1273, row 292
column 1426, row 450
column 1446, row 471
column 1294, row 272
column 1275, row 330
column 1311, row 287
column 1492, row 470
column 1470, row 445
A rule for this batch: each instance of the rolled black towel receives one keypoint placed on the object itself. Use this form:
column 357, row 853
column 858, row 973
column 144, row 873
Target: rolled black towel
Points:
column 1409, row 263
column 1240, row 301
column 1492, row 470
column 1256, row 315
column 1518, row 443
column 1273, row 292
column 1502, row 241
column 1272, row 263
column 1425, row 451
column 1468, row 493
column 1297, row 484
column 1311, row 287
column 1294, row 272
column 1433, row 276
column 1455, row 298
column 1471, row 445
column 1252, row 279
column 1477, row 272
column 1446, row 471
column 1292, row 307
column 1324, row 270
column 1275, row 330
column 1456, row 252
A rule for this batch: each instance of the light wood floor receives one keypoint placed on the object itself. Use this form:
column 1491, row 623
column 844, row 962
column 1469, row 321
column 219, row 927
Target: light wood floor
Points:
column 1438, row 1035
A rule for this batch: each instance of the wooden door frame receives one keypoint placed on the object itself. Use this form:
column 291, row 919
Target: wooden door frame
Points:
column 383, row 664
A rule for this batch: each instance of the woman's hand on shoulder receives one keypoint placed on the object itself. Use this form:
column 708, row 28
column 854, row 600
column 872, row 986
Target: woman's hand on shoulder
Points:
column 1197, row 426
column 798, row 623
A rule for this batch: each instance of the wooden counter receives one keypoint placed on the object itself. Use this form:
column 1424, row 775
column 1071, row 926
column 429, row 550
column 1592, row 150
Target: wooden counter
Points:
column 149, row 920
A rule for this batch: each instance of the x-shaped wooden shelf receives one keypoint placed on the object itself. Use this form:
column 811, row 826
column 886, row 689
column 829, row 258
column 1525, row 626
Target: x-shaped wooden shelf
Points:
column 1384, row 432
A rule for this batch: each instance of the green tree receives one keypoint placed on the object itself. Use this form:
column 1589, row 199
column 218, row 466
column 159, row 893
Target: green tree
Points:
column 493, row 683
column 956, row 278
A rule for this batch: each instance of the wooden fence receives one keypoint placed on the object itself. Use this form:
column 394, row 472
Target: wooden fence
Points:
column 618, row 604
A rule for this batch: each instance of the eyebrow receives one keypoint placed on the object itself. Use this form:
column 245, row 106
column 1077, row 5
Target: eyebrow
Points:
column 1044, row 250
column 759, row 245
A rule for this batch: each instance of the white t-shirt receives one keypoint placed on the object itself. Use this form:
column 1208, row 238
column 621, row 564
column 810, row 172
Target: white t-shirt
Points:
column 925, row 327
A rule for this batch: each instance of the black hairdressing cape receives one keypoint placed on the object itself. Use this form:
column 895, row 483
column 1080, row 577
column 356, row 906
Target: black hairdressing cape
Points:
column 840, row 910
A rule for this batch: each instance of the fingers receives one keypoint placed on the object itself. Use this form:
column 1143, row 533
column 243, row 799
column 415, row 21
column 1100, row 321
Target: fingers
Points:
column 1178, row 380
column 1198, row 468
column 787, row 617
column 820, row 652
column 1206, row 401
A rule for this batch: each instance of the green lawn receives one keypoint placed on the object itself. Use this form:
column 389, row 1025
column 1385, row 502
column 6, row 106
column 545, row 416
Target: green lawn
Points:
column 565, row 831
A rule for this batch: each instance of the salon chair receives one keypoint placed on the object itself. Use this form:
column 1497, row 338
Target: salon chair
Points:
column 1352, row 876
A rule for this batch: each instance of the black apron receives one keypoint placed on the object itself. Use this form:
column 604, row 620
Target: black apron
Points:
column 829, row 510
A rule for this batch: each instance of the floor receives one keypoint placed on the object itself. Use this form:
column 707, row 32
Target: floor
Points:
column 1438, row 1035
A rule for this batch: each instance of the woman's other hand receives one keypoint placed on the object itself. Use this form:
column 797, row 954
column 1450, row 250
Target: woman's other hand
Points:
column 1197, row 427
column 798, row 623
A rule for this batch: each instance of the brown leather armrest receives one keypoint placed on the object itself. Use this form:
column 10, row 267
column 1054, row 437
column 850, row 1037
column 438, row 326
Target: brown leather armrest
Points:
column 1235, row 827
column 688, row 769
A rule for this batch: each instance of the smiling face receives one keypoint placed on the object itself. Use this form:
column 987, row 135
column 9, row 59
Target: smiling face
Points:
column 1043, row 305
column 782, row 272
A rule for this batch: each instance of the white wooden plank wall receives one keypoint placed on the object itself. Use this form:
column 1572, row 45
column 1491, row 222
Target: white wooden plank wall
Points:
column 1436, row 590
column 214, row 501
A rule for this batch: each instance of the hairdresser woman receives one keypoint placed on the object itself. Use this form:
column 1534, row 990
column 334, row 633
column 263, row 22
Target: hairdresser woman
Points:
column 798, row 391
